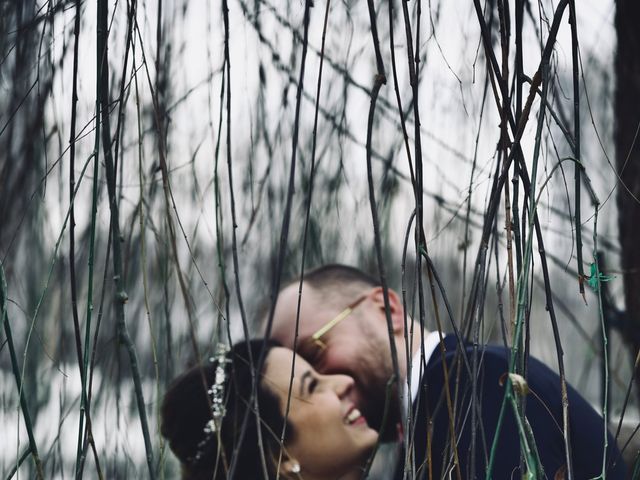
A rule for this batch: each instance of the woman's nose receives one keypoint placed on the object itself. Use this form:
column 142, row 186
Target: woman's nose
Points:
column 343, row 384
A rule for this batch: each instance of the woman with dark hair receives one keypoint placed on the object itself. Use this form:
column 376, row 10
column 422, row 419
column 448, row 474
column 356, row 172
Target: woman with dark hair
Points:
column 209, row 417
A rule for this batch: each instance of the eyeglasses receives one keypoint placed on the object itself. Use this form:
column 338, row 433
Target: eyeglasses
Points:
column 316, row 338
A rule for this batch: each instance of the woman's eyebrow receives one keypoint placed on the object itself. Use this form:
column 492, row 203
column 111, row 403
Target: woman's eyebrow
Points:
column 305, row 376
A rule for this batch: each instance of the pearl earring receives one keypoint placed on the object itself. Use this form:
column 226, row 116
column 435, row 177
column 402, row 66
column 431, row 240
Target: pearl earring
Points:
column 295, row 468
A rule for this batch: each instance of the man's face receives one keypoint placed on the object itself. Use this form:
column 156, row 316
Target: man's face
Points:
column 358, row 346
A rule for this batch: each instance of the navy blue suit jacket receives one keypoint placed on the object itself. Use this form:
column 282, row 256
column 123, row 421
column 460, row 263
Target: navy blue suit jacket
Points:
column 543, row 411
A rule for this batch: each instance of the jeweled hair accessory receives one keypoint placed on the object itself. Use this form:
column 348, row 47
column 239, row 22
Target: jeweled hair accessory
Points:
column 216, row 394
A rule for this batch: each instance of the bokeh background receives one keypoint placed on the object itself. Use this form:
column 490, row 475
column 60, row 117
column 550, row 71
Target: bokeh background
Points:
column 164, row 165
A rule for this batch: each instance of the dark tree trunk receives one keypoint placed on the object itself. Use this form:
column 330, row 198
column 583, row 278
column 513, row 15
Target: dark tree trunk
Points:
column 627, row 121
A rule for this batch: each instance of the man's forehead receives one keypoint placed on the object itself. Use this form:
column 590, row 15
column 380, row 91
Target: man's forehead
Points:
column 284, row 319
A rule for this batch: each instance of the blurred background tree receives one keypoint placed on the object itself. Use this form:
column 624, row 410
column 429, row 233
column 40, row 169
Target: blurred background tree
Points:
column 163, row 165
column 627, row 122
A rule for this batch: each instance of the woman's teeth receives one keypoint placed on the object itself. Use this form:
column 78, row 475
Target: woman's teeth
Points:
column 353, row 415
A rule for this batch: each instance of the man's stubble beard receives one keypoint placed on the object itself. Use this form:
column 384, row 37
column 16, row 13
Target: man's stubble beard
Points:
column 375, row 396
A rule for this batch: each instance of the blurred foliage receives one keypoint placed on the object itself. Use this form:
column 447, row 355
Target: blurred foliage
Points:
column 179, row 126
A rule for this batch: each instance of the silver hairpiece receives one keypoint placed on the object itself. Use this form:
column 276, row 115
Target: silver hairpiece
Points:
column 216, row 393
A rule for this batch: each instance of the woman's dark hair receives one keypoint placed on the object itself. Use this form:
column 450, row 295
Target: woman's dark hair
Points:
column 187, row 407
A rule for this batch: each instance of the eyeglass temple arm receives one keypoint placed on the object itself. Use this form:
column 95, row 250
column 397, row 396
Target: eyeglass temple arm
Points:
column 344, row 314
column 341, row 316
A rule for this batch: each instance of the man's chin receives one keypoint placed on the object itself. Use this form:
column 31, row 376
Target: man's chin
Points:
column 388, row 430
column 390, row 433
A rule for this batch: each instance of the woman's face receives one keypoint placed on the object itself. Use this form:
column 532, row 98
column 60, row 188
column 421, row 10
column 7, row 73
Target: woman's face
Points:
column 331, row 436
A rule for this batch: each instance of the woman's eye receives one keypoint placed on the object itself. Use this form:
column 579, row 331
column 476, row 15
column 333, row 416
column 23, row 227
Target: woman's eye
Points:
column 313, row 384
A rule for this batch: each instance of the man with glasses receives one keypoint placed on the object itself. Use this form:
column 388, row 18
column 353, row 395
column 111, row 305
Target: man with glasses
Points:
column 341, row 327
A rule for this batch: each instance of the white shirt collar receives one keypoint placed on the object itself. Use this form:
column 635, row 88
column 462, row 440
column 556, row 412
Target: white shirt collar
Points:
column 431, row 341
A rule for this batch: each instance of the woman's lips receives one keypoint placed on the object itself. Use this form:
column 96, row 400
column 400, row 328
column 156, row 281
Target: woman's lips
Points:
column 354, row 417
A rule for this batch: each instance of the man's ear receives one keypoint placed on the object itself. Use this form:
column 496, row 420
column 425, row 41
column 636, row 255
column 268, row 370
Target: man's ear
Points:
column 395, row 307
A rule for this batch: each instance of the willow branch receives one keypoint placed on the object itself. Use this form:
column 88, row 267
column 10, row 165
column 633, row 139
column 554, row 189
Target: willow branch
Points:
column 121, row 295
column 33, row 448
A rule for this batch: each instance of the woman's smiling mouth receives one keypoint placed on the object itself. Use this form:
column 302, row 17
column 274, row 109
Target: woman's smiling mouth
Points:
column 354, row 416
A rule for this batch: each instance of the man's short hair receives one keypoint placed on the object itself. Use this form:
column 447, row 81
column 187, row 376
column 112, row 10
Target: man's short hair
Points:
column 334, row 282
column 338, row 281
